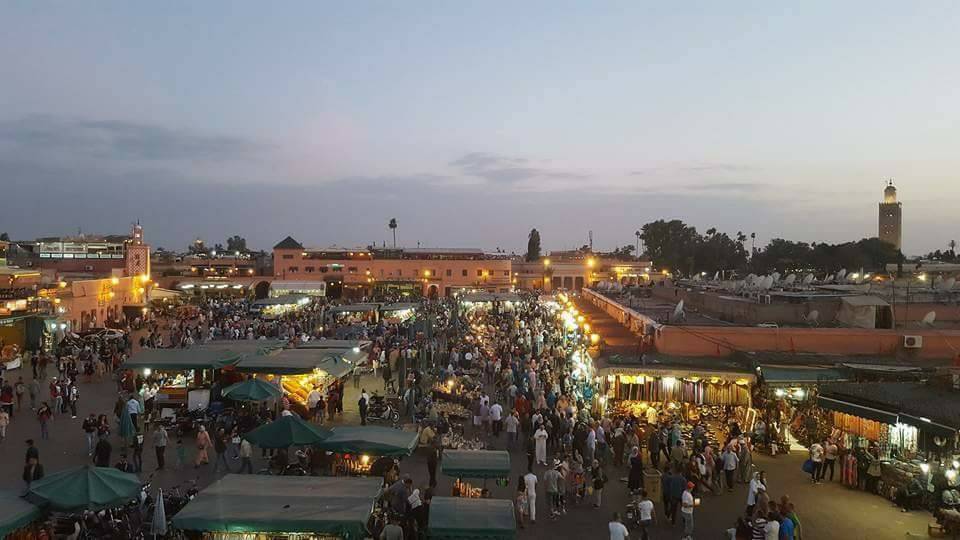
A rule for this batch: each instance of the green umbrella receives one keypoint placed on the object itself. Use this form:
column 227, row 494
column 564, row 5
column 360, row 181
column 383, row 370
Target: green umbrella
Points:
column 127, row 429
column 285, row 432
column 85, row 488
column 252, row 390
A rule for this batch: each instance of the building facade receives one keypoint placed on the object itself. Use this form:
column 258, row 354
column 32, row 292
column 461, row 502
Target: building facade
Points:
column 890, row 219
column 362, row 271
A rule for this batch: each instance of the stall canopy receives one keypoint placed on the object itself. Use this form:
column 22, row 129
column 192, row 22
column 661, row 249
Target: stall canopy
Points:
column 454, row 518
column 252, row 390
column 285, row 300
column 361, row 344
column 399, row 306
column 375, row 440
column 354, row 308
column 933, row 406
column 15, row 512
column 798, row 375
column 336, row 507
column 476, row 463
column 84, row 488
column 287, row 431
column 245, row 347
column 334, row 362
column 490, row 297
column 182, row 359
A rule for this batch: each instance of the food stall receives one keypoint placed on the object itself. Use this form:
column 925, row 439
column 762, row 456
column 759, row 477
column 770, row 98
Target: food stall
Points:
column 398, row 312
column 475, row 464
column 275, row 307
column 356, row 446
column 255, row 507
column 454, row 518
column 17, row 517
column 184, row 375
column 353, row 313
column 300, row 370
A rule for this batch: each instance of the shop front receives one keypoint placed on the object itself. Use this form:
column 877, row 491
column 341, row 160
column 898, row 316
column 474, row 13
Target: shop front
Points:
column 359, row 450
column 481, row 465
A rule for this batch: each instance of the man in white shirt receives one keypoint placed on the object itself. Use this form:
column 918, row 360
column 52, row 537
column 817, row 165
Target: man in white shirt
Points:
column 496, row 418
column 686, row 511
column 757, row 484
column 512, row 423
column 816, row 456
column 830, row 453
column 134, row 408
column 530, row 481
column 730, row 462
column 618, row 531
column 645, row 507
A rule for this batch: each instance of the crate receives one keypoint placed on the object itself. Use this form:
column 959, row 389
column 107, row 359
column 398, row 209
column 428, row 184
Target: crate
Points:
column 652, row 483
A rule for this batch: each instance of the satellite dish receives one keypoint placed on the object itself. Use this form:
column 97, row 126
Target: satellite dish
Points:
column 937, row 281
column 790, row 279
column 840, row 275
column 813, row 318
column 768, row 282
column 678, row 313
column 775, row 276
column 716, row 276
column 827, row 278
column 750, row 277
column 808, row 279
column 696, row 277
column 949, row 283
column 929, row 318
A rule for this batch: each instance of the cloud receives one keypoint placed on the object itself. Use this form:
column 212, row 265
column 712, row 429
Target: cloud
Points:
column 499, row 169
column 725, row 186
column 694, row 168
column 120, row 140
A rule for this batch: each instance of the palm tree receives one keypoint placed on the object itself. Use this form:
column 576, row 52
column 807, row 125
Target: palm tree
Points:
column 393, row 227
column 952, row 245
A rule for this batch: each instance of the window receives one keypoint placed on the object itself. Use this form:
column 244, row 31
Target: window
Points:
column 309, row 269
column 479, row 272
column 352, row 269
column 464, row 272
column 449, row 272
column 506, row 273
column 288, row 256
column 293, row 269
column 399, row 273
column 323, row 269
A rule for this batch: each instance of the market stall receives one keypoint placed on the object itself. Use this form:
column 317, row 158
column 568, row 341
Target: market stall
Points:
column 301, row 370
column 356, row 446
column 475, row 464
column 184, row 375
column 348, row 314
column 241, row 507
column 252, row 390
column 16, row 516
column 84, row 488
column 285, row 432
column 275, row 307
column 453, row 518
column 398, row 312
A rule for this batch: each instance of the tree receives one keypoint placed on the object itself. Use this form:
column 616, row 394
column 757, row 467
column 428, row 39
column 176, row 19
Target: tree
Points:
column 533, row 246
column 197, row 247
column 4, row 237
column 393, row 227
column 236, row 243
column 623, row 253
column 672, row 244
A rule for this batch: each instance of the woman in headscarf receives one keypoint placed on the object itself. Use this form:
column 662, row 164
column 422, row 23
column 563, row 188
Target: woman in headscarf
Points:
column 635, row 478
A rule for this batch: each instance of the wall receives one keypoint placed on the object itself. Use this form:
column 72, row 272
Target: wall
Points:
column 91, row 297
column 748, row 312
column 689, row 340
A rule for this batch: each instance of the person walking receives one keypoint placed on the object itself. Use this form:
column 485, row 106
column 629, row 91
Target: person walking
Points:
column 19, row 389
column 135, row 409
column 816, row 456
column 246, row 456
column 203, row 446
column 540, row 437
column 34, row 393
column 90, row 424
column 32, row 471
column 830, row 452
column 647, row 514
column 73, row 395
column 551, row 482
column 4, row 422
column 530, row 484
column 730, row 461
column 433, row 458
column 363, row 404
column 496, row 418
column 686, row 511
column 522, row 504
column 43, row 416
column 512, row 424
column 220, row 447
column 160, row 439
column 137, row 445
column 618, row 531
column 101, row 453
column 599, row 481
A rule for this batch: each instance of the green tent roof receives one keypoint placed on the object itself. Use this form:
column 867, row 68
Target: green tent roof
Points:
column 237, row 503
column 182, row 359
column 252, row 390
column 85, row 488
column 15, row 512
column 454, row 518
column 476, row 463
column 335, row 362
column 375, row 440
column 335, row 344
column 285, row 432
column 245, row 346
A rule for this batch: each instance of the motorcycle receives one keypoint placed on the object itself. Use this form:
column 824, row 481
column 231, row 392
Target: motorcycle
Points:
column 381, row 410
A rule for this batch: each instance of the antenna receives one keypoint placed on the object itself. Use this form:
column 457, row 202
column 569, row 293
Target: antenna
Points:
column 929, row 318
column 590, row 236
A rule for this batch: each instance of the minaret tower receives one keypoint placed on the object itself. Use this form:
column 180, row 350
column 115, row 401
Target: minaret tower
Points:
column 890, row 221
